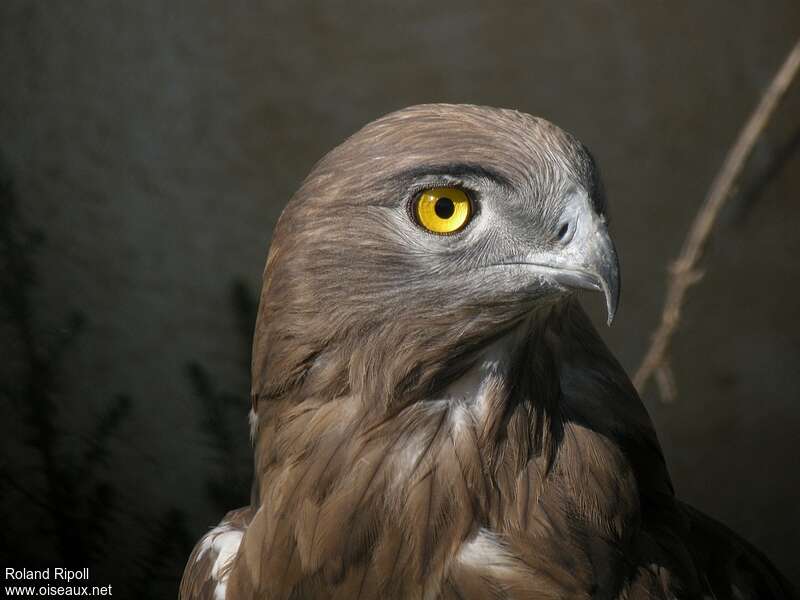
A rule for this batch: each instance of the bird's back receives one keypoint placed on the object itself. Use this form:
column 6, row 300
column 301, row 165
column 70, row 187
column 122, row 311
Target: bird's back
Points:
column 729, row 566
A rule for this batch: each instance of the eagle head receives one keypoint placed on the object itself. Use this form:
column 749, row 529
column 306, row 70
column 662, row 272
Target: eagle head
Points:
column 422, row 236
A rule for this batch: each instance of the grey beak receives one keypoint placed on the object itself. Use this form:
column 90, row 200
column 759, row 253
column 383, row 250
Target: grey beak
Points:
column 607, row 272
column 597, row 269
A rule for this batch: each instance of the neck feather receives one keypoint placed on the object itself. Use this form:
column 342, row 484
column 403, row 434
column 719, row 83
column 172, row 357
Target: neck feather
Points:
column 540, row 438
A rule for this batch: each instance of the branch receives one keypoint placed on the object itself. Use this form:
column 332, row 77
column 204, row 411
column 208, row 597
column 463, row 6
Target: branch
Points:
column 684, row 272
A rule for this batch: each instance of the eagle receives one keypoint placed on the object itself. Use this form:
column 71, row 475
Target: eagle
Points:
column 434, row 415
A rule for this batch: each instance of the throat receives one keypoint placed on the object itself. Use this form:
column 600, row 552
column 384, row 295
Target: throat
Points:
column 511, row 397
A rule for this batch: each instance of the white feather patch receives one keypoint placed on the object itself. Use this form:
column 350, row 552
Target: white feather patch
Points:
column 253, row 417
column 486, row 552
column 472, row 387
column 224, row 542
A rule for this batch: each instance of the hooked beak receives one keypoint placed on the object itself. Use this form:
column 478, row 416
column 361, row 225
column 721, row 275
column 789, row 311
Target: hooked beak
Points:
column 597, row 269
column 589, row 261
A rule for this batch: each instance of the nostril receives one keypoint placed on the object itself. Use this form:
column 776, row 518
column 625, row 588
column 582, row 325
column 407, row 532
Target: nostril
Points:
column 563, row 231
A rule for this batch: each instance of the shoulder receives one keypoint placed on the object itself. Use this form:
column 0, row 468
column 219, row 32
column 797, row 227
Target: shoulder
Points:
column 206, row 573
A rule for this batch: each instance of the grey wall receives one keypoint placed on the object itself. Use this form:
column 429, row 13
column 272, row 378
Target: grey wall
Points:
column 155, row 144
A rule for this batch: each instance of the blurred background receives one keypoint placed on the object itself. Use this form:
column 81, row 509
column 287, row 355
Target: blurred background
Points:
column 147, row 149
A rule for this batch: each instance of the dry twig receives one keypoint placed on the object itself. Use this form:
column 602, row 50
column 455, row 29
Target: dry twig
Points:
column 684, row 271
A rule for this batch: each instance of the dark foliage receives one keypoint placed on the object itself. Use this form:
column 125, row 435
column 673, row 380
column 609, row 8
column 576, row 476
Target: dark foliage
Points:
column 223, row 415
column 59, row 504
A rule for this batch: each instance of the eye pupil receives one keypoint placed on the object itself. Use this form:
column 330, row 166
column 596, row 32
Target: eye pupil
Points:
column 563, row 231
column 444, row 208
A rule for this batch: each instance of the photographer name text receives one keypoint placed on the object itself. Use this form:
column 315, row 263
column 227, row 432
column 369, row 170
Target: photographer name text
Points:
column 55, row 574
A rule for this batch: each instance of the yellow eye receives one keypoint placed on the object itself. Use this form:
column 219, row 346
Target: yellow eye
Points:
column 443, row 209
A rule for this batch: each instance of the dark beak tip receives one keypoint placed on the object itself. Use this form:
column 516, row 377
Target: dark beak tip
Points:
column 611, row 292
column 607, row 283
column 611, row 313
column 609, row 275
